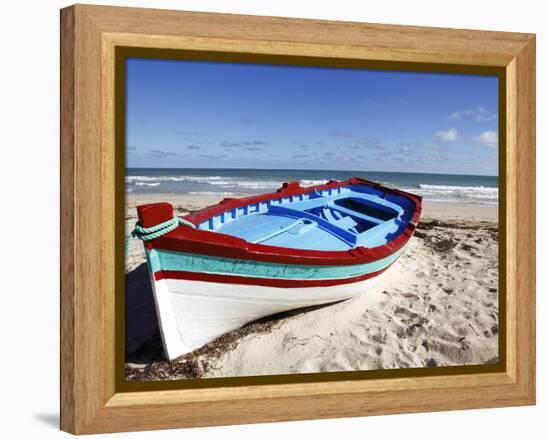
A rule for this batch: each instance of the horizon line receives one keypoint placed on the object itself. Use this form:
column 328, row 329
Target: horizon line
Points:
column 319, row 170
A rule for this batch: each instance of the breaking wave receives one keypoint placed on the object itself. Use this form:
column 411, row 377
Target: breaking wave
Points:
column 468, row 194
column 236, row 182
column 219, row 181
column 226, row 185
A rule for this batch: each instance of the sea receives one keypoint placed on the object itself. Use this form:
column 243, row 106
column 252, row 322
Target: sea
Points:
column 468, row 189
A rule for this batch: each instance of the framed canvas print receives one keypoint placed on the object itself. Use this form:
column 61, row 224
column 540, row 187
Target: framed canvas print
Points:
column 273, row 219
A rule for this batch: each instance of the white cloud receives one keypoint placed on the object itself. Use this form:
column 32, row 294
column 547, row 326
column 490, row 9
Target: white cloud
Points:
column 450, row 135
column 457, row 115
column 481, row 110
column 482, row 118
column 480, row 113
column 487, row 138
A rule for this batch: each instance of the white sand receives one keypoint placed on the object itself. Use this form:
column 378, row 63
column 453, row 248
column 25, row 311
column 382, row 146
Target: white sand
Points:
column 437, row 306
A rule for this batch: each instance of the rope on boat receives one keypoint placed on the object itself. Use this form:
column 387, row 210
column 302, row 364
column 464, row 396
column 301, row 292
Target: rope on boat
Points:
column 149, row 233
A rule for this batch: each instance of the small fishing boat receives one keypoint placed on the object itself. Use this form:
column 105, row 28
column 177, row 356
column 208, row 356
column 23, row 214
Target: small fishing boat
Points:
column 229, row 264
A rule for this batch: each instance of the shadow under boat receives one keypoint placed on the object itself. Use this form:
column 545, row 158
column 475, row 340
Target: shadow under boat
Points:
column 143, row 342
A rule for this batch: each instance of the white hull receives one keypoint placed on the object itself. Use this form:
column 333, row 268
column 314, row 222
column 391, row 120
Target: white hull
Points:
column 193, row 313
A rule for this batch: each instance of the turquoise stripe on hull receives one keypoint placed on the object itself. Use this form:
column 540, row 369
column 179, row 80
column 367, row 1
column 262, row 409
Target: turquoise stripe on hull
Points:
column 175, row 261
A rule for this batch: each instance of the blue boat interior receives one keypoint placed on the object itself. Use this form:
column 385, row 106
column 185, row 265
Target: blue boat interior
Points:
column 332, row 219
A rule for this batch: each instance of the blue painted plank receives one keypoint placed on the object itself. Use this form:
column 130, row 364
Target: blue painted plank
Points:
column 315, row 239
column 278, row 232
column 350, row 212
column 341, row 233
column 378, row 235
column 283, row 223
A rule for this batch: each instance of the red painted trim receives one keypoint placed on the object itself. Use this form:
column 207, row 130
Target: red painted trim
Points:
column 150, row 215
column 185, row 239
column 209, row 243
column 267, row 282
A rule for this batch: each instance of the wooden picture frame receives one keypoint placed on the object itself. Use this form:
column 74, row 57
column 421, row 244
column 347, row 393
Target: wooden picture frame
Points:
column 91, row 399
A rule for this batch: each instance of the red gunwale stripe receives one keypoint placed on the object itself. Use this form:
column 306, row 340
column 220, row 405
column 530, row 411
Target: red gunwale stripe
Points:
column 215, row 244
column 185, row 239
column 267, row 282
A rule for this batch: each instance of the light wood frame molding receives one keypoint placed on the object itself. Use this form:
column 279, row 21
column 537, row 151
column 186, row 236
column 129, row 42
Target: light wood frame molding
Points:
column 89, row 400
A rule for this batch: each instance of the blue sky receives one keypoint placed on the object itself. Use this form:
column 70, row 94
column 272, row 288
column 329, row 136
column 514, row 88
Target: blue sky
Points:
column 227, row 115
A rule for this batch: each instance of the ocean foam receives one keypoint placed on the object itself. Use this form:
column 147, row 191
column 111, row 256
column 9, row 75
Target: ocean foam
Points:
column 143, row 183
column 215, row 180
column 225, row 185
column 306, row 183
column 468, row 194
column 210, row 193
column 142, row 180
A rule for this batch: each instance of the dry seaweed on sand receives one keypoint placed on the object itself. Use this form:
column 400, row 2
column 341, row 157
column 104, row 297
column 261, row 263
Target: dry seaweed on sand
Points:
column 197, row 363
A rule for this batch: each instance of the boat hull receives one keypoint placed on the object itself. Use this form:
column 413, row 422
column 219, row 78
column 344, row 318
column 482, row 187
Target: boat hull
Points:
column 210, row 276
column 192, row 313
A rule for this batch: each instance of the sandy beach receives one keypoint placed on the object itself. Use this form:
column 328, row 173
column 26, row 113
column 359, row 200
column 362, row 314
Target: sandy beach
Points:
column 437, row 306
